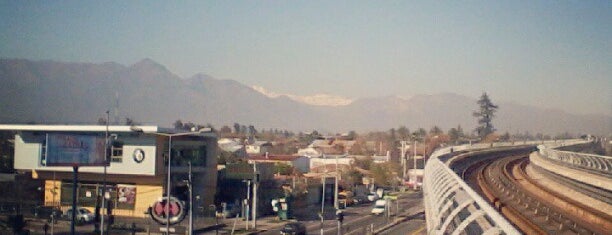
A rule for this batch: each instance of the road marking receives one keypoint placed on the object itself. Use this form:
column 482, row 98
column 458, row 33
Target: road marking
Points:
column 418, row 231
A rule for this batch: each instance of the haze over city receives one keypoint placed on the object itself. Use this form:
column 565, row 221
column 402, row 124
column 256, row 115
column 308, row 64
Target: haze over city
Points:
column 547, row 54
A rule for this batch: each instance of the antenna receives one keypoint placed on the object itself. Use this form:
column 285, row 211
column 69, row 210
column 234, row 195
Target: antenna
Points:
column 116, row 107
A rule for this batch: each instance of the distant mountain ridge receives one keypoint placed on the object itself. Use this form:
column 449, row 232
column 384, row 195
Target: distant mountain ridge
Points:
column 57, row 92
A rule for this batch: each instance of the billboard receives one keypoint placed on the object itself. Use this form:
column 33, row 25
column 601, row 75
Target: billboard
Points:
column 74, row 150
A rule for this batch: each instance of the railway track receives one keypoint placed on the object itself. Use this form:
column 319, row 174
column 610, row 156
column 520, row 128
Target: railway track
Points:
column 531, row 208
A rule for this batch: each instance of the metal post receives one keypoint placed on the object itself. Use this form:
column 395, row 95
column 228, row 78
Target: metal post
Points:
column 190, row 201
column 336, row 186
column 322, row 202
column 104, row 175
column 168, row 185
column 248, row 199
column 414, row 186
column 255, row 183
column 53, row 212
column 404, row 163
column 75, row 179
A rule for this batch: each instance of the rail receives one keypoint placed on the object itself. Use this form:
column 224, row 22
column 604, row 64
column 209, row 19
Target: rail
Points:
column 453, row 207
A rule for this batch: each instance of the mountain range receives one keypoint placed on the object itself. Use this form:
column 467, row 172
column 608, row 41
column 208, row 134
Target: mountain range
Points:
column 148, row 93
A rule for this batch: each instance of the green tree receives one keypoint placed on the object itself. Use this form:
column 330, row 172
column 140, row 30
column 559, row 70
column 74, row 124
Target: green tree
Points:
column 236, row 128
column 352, row 135
column 485, row 116
column 435, row 130
column 364, row 163
column 455, row 134
column 283, row 169
column 403, row 132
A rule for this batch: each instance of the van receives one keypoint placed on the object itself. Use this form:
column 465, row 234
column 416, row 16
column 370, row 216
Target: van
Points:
column 379, row 207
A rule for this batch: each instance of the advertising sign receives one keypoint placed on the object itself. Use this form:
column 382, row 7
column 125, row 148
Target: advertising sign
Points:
column 74, row 150
column 126, row 193
column 161, row 215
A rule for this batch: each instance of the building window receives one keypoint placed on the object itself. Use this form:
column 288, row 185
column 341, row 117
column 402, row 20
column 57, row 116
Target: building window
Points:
column 43, row 153
column 120, row 196
column 117, row 152
column 181, row 155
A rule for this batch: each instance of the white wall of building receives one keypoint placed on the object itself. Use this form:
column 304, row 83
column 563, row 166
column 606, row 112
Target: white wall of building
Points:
column 28, row 152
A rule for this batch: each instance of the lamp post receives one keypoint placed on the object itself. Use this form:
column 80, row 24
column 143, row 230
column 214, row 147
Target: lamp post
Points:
column 106, row 162
column 168, row 183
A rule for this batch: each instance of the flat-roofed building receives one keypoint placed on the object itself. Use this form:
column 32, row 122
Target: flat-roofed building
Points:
column 137, row 174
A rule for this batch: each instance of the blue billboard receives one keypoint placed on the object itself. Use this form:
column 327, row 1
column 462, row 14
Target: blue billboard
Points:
column 74, row 150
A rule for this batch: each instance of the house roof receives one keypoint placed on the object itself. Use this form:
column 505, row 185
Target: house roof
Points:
column 261, row 143
column 281, row 158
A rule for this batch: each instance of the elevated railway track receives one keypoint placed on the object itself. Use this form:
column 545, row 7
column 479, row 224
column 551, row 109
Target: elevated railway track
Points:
column 520, row 192
column 533, row 208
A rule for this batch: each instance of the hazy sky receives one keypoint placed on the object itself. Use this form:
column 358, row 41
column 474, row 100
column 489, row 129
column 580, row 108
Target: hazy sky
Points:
column 552, row 54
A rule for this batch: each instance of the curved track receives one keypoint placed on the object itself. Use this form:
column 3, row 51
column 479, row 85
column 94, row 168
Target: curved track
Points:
column 532, row 208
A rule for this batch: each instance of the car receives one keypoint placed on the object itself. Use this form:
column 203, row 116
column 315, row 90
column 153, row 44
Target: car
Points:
column 229, row 211
column 293, row 228
column 379, row 207
column 345, row 200
column 83, row 215
column 46, row 212
column 372, row 196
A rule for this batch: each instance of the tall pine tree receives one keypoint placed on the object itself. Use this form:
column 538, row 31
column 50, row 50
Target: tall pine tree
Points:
column 485, row 116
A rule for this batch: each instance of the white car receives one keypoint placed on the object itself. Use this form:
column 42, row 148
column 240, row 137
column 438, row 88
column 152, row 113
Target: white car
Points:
column 379, row 207
column 83, row 215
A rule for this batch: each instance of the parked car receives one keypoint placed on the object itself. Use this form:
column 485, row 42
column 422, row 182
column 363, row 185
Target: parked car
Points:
column 372, row 196
column 230, row 211
column 45, row 212
column 293, row 228
column 83, row 215
column 379, row 207
column 345, row 199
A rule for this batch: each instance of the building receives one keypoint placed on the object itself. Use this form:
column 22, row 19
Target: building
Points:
column 233, row 146
column 332, row 160
column 137, row 174
column 258, row 147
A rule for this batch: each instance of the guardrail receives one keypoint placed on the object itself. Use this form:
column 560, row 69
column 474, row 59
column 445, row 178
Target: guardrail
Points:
column 589, row 162
column 452, row 207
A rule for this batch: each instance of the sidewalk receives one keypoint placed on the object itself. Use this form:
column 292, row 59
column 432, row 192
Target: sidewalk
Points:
column 145, row 226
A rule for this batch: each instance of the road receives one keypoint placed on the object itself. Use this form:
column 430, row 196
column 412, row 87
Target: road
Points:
column 359, row 220
column 412, row 226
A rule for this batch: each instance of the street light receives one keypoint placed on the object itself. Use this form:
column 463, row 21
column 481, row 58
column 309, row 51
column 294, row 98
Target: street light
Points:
column 170, row 135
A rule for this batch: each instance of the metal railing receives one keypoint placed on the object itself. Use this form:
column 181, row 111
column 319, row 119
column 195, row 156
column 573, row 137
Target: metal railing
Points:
column 453, row 207
column 588, row 162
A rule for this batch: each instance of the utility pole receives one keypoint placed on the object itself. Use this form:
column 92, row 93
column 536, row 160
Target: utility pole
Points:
column 414, row 186
column 190, row 201
column 255, row 183
column 403, row 157
column 248, row 199
column 322, row 201
column 106, row 161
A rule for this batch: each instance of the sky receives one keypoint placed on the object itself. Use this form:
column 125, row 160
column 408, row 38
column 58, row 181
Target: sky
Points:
column 549, row 54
